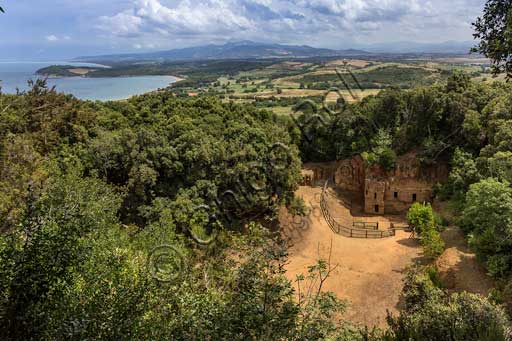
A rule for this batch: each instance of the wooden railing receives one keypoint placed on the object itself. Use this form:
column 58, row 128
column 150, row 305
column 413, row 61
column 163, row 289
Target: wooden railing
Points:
column 348, row 231
column 363, row 225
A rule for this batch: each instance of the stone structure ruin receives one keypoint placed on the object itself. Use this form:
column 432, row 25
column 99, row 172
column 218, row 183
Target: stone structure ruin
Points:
column 379, row 191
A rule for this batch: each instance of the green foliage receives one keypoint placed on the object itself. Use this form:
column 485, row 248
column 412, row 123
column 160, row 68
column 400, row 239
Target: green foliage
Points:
column 381, row 152
column 458, row 82
column 487, row 217
column 500, row 166
column 421, row 218
column 297, row 206
column 433, row 120
column 376, row 78
column 70, row 270
column 60, row 71
column 91, row 190
column 440, row 221
column 432, row 243
column 104, row 290
column 494, row 32
column 463, row 173
column 196, row 149
column 40, row 256
column 431, row 314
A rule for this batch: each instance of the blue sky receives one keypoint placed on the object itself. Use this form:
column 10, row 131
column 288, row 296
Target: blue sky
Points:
column 50, row 29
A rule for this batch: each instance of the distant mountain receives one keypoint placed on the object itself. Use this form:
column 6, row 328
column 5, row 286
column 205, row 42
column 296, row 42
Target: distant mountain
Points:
column 448, row 47
column 237, row 50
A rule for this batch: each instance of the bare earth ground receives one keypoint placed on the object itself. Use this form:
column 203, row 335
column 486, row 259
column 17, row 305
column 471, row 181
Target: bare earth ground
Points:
column 352, row 62
column 458, row 267
column 81, row 71
column 369, row 272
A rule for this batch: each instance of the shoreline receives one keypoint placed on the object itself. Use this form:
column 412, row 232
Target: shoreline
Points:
column 178, row 79
column 119, row 87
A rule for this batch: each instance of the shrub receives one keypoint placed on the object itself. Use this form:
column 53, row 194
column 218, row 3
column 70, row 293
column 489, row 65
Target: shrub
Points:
column 421, row 217
column 430, row 314
column 487, row 217
column 297, row 206
column 432, row 243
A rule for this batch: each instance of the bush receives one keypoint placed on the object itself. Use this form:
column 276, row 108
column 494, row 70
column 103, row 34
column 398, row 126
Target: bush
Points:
column 432, row 243
column 421, row 218
column 487, row 217
column 297, row 206
column 387, row 159
column 440, row 222
column 431, row 314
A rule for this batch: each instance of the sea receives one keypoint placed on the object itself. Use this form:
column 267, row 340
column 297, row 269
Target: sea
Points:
column 15, row 75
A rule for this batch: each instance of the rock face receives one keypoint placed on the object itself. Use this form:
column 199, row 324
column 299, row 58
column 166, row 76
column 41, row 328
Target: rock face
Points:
column 382, row 191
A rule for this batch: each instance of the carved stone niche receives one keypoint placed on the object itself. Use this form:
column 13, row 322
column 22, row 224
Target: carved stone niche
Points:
column 344, row 173
column 347, row 177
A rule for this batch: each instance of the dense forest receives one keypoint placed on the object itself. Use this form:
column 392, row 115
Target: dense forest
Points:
column 462, row 123
column 92, row 190
column 156, row 217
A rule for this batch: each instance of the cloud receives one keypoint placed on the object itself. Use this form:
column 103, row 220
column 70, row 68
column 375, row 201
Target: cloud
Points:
column 319, row 21
column 185, row 18
column 51, row 38
column 123, row 24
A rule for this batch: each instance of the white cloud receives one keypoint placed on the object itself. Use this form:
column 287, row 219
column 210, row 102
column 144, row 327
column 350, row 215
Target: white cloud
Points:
column 320, row 22
column 51, row 38
column 122, row 24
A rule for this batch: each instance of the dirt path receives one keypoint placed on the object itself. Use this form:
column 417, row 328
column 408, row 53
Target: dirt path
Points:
column 459, row 268
column 369, row 273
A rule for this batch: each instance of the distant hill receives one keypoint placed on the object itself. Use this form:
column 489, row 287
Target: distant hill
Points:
column 447, row 47
column 238, row 50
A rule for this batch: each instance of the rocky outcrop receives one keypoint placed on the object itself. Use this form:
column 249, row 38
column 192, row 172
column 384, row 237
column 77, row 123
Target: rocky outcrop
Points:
column 383, row 191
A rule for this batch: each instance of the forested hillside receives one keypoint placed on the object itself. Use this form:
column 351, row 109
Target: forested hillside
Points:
column 462, row 123
column 158, row 217
column 92, row 191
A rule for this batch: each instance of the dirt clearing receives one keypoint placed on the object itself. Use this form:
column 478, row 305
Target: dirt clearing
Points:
column 459, row 268
column 369, row 273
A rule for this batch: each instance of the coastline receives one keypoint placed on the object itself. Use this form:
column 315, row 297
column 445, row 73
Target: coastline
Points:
column 49, row 76
column 14, row 77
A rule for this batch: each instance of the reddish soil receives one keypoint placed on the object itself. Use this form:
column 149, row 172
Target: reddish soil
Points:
column 369, row 273
column 459, row 268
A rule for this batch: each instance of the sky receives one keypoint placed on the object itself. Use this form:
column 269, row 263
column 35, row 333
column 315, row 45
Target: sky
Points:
column 58, row 29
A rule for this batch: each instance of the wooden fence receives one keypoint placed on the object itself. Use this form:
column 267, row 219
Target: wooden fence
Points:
column 363, row 225
column 348, row 231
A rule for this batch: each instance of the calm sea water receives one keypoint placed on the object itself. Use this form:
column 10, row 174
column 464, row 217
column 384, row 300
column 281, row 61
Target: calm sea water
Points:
column 16, row 74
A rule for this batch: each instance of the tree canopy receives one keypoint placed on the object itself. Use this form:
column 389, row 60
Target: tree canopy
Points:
column 494, row 31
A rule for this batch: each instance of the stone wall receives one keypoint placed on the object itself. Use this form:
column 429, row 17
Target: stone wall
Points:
column 374, row 196
column 317, row 173
column 384, row 191
column 350, row 175
column 407, row 183
column 401, row 193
